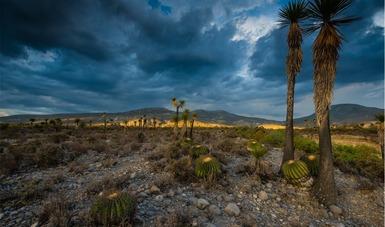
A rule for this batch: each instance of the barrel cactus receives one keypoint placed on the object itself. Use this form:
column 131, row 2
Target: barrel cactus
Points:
column 256, row 149
column 207, row 167
column 198, row 150
column 295, row 171
column 114, row 208
column 312, row 162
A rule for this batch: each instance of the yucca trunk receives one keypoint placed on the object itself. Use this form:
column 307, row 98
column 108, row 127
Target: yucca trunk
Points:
column 325, row 56
column 191, row 129
column 288, row 153
column 381, row 138
column 185, row 129
column 293, row 66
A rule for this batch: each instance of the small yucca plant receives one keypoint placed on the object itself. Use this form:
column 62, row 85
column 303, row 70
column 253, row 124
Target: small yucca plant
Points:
column 198, row 150
column 207, row 167
column 295, row 171
column 312, row 162
column 114, row 208
column 256, row 149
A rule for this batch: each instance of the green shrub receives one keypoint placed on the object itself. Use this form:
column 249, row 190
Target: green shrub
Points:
column 198, row 150
column 207, row 167
column 115, row 208
column 312, row 163
column 295, row 171
column 274, row 138
column 304, row 144
column 248, row 132
column 256, row 149
column 363, row 160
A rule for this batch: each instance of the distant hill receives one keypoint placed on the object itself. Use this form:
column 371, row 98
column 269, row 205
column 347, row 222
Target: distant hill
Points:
column 346, row 114
column 219, row 116
column 342, row 113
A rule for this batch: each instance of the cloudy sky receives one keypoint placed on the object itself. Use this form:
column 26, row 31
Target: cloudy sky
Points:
column 118, row 55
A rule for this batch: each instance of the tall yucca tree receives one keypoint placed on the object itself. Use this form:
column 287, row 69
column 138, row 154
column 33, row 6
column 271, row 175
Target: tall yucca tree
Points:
column 326, row 16
column 291, row 16
column 380, row 132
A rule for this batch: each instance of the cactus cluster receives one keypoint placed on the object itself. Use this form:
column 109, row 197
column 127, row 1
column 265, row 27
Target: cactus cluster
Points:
column 114, row 208
column 256, row 149
column 295, row 171
column 312, row 163
column 207, row 167
column 198, row 150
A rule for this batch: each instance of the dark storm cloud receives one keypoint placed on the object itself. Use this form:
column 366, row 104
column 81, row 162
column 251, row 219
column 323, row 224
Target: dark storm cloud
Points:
column 47, row 24
column 361, row 59
column 96, row 55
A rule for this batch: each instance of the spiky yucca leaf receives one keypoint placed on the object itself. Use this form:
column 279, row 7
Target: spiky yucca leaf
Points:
column 198, row 150
column 295, row 171
column 113, row 209
column 312, row 163
column 256, row 149
column 208, row 167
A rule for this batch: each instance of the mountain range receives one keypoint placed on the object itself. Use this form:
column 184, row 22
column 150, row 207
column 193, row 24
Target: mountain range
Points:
column 340, row 114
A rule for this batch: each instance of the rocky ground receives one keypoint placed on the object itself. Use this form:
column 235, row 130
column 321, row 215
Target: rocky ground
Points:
column 238, row 198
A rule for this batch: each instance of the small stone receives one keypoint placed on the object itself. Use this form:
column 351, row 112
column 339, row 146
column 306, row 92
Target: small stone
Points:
column 232, row 209
column 154, row 189
column 338, row 225
column 228, row 198
column 1, row 215
column 214, row 210
column 171, row 193
column 210, row 225
column 142, row 194
column 335, row 210
column 159, row 197
column 263, row 195
column 35, row 224
column 202, row 204
column 133, row 175
column 269, row 185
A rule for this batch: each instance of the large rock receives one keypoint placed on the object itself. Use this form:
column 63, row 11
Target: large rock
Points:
column 232, row 209
column 263, row 195
column 202, row 204
column 154, row 189
column 214, row 210
column 335, row 210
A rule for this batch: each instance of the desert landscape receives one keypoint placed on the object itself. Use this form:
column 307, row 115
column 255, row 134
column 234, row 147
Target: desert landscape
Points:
column 169, row 113
column 53, row 174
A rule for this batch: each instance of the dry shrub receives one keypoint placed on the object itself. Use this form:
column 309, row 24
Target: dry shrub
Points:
column 135, row 146
column 77, row 167
column 8, row 163
column 49, row 155
column 77, row 148
column 231, row 146
column 34, row 189
column 56, row 211
column 58, row 137
column 175, row 219
column 108, row 183
column 108, row 162
column 182, row 169
column 220, row 156
column 164, row 180
column 100, row 146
